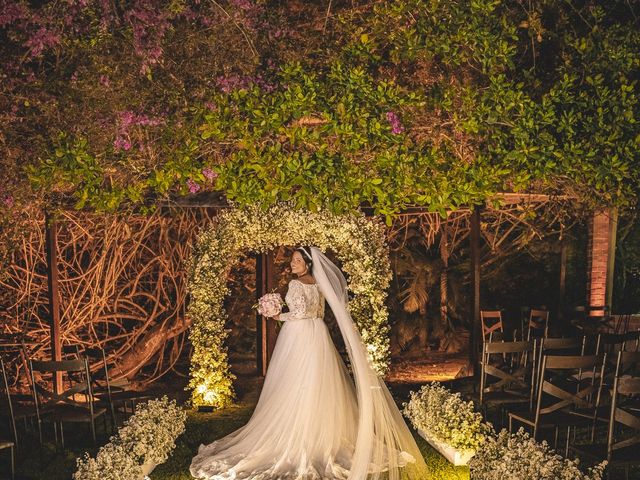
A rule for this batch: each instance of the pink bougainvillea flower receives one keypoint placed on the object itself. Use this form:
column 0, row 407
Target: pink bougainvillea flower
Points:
column 209, row 174
column 122, row 143
column 193, row 186
column 7, row 200
column 394, row 121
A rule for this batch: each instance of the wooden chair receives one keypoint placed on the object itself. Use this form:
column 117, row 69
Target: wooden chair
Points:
column 623, row 364
column 111, row 393
column 612, row 343
column 622, row 323
column 6, row 443
column 509, row 382
column 621, row 448
column 592, row 319
column 538, row 326
column 74, row 405
column 556, row 346
column 103, row 389
column 491, row 323
column 560, row 393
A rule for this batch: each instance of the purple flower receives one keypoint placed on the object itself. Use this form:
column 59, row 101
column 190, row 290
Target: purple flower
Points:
column 40, row 41
column 128, row 118
column 104, row 80
column 122, row 143
column 8, row 201
column 210, row 105
column 193, row 186
column 11, row 12
column 394, row 121
column 243, row 82
column 243, row 4
column 209, row 174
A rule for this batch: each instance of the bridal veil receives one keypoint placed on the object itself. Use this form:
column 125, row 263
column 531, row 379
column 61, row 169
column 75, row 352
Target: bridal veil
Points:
column 384, row 447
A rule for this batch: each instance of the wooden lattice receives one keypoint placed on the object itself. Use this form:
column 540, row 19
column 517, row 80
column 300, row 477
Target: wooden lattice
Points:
column 122, row 288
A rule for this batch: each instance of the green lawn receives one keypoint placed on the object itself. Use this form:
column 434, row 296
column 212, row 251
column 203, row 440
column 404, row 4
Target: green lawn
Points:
column 201, row 428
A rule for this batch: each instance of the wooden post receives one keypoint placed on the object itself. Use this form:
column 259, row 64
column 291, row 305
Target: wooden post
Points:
column 613, row 232
column 265, row 328
column 271, row 324
column 261, row 338
column 476, row 331
column 54, row 295
column 562, row 287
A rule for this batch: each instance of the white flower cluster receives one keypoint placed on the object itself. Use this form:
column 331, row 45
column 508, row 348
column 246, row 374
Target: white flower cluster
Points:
column 446, row 417
column 270, row 304
column 520, row 456
column 148, row 436
column 358, row 241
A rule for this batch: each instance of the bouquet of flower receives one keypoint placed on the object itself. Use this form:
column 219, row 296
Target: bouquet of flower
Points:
column 270, row 304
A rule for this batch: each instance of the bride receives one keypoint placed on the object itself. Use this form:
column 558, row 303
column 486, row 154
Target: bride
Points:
column 311, row 422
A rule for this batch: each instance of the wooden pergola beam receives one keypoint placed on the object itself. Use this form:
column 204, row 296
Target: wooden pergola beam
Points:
column 54, row 295
column 476, row 330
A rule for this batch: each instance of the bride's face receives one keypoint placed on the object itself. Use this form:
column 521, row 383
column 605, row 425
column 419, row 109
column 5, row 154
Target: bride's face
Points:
column 298, row 266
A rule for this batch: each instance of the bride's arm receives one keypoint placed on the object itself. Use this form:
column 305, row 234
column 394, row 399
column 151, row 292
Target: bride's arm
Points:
column 295, row 301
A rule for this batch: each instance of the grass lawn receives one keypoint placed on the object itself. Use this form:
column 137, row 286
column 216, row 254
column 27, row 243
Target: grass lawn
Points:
column 32, row 462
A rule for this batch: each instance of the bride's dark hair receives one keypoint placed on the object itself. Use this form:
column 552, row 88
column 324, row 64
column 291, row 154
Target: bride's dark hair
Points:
column 306, row 257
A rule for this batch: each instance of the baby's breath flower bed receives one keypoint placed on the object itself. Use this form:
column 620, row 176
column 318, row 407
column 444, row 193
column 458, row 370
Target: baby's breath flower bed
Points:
column 147, row 437
column 358, row 242
column 520, row 456
column 448, row 419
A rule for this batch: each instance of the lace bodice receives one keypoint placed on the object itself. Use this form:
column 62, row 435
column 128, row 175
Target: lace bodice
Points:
column 304, row 301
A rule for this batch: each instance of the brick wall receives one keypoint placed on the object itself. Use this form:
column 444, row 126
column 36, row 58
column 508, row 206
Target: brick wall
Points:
column 598, row 255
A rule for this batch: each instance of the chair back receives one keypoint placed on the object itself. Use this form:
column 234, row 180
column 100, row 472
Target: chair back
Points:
column 78, row 394
column 552, row 344
column 71, row 351
column 559, row 346
column 622, row 323
column 624, row 412
column 538, row 324
column 627, row 363
column 99, row 355
column 562, row 383
column 513, row 374
column 611, row 343
column 491, row 322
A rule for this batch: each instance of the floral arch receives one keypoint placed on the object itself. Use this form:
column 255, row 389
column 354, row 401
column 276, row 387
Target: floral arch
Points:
column 358, row 242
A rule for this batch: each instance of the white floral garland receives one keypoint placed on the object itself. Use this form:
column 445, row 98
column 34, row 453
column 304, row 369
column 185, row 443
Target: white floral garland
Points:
column 359, row 242
column 147, row 437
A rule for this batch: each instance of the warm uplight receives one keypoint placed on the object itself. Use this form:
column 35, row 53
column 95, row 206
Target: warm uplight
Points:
column 209, row 396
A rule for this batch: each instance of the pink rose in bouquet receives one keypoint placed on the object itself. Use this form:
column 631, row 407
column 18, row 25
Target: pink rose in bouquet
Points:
column 270, row 304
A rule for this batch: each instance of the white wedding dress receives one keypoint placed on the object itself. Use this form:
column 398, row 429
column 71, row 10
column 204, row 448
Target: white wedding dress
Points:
column 311, row 421
column 305, row 423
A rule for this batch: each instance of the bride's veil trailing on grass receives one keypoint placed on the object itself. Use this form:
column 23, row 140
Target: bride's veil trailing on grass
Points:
column 385, row 447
